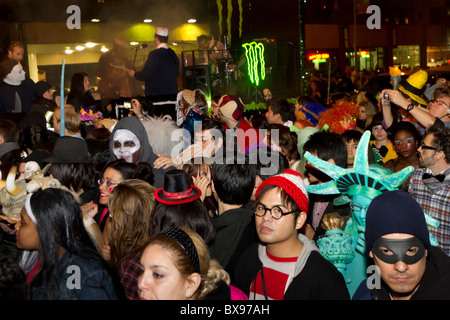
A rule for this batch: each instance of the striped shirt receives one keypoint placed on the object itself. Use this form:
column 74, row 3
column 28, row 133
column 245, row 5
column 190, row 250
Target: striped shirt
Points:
column 276, row 274
column 434, row 198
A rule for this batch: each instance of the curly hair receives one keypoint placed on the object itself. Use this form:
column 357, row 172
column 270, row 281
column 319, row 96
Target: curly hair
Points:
column 441, row 136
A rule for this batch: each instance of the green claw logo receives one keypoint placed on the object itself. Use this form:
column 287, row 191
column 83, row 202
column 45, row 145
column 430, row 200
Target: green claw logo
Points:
column 254, row 53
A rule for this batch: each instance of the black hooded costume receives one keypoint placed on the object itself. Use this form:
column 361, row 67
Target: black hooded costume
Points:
column 147, row 155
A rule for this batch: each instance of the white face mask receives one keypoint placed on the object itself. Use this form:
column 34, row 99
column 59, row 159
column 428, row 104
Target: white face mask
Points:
column 126, row 145
column 16, row 76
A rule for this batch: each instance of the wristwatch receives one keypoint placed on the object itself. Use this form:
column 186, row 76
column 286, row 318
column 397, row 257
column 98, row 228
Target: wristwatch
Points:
column 410, row 107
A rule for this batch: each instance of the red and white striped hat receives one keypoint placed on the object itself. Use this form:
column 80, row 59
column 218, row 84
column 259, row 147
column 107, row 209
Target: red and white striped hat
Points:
column 292, row 182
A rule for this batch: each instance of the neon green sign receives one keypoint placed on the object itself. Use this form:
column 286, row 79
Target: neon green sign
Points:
column 254, row 53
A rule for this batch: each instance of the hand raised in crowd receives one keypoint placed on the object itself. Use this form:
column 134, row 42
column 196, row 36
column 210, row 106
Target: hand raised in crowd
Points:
column 164, row 162
column 106, row 252
column 137, row 108
column 393, row 96
column 203, row 181
column 90, row 209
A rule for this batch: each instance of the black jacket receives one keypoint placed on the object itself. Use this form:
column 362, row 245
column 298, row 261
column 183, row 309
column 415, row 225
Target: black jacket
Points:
column 160, row 73
column 435, row 284
column 317, row 279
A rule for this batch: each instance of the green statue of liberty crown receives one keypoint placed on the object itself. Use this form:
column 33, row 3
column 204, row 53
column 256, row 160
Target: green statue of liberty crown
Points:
column 360, row 174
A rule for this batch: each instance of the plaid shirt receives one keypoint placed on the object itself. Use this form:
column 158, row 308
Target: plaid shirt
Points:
column 434, row 198
column 129, row 271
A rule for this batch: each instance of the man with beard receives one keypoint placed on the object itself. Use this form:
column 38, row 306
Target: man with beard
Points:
column 430, row 184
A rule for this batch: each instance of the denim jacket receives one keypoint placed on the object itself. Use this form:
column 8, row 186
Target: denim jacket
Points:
column 81, row 279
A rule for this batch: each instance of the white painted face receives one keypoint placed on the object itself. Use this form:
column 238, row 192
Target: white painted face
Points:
column 126, row 146
column 17, row 75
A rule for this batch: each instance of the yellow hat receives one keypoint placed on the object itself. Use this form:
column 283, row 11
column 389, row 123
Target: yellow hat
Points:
column 413, row 86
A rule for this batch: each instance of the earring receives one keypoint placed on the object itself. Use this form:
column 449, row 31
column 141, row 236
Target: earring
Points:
column 188, row 293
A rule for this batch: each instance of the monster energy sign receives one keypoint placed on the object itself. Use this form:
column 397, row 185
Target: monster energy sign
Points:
column 254, row 53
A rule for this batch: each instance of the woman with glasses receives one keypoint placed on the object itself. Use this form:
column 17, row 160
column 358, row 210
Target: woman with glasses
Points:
column 113, row 173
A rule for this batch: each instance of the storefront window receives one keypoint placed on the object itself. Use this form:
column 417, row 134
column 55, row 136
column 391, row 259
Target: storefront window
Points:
column 406, row 57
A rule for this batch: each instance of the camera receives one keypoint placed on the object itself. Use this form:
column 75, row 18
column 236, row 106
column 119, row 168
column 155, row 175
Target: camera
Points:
column 386, row 96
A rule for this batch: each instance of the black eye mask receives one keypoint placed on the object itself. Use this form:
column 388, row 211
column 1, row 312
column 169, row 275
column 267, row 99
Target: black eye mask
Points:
column 399, row 249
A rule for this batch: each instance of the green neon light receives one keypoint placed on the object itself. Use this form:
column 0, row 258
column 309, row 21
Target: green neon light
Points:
column 254, row 53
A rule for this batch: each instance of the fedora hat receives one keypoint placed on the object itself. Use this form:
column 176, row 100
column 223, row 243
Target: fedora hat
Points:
column 69, row 150
column 413, row 86
column 177, row 189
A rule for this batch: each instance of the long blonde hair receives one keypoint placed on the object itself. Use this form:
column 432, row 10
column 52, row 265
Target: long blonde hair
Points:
column 130, row 205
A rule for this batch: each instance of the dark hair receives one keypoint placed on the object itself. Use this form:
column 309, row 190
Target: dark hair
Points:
column 162, row 39
column 233, row 181
column 141, row 170
column 281, row 162
column 351, row 135
column 78, row 96
column 302, row 100
column 13, row 283
column 9, row 130
column 76, row 175
column 281, row 106
column 192, row 215
column 59, row 224
column 77, row 84
column 441, row 138
column 408, row 127
column 97, row 141
column 287, row 140
column 6, row 67
column 35, row 136
column 327, row 145
column 193, row 167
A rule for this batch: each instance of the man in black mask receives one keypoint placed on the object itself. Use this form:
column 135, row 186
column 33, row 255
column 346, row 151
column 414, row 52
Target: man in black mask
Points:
column 408, row 266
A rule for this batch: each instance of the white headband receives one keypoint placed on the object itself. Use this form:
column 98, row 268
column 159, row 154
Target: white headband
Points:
column 28, row 209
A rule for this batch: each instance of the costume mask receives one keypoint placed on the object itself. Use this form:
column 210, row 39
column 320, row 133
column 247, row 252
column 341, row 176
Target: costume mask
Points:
column 16, row 76
column 399, row 249
column 126, row 146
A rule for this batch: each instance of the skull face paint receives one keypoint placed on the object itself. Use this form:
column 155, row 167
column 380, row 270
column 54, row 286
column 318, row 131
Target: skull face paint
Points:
column 127, row 146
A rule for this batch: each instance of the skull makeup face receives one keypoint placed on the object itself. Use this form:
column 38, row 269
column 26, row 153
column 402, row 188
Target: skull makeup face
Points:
column 126, row 145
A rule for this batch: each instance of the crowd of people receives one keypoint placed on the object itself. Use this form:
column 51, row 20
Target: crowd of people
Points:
column 181, row 199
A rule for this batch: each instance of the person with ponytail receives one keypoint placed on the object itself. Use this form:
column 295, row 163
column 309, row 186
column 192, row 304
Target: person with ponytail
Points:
column 176, row 265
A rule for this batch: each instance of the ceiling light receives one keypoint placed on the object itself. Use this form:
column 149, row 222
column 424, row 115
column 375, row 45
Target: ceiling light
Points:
column 90, row 44
column 134, row 43
column 68, row 51
column 79, row 48
column 147, row 20
column 95, row 20
column 192, row 21
column 104, row 49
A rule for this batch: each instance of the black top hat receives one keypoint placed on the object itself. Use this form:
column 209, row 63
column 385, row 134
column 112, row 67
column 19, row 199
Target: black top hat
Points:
column 177, row 189
column 70, row 150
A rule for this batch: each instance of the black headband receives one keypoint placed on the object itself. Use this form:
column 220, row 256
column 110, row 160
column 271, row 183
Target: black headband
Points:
column 186, row 243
